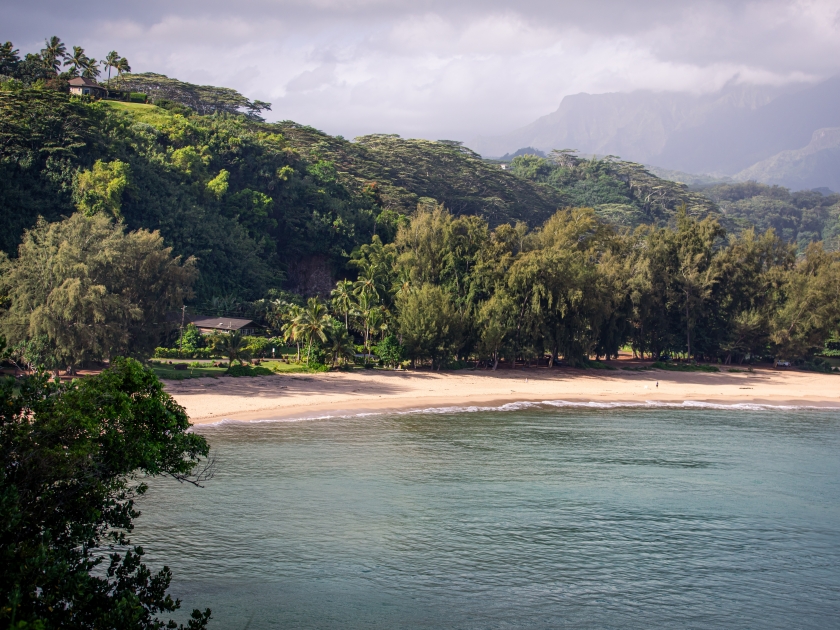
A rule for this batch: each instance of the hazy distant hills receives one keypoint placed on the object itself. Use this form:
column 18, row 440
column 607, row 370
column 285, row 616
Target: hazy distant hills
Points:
column 813, row 166
column 726, row 133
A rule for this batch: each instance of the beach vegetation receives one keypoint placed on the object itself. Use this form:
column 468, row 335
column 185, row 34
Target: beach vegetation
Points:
column 390, row 351
column 232, row 346
column 341, row 345
column 248, row 370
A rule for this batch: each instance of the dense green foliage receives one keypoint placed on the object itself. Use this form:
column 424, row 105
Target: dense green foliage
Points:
column 400, row 173
column 453, row 289
column 73, row 458
column 797, row 217
column 91, row 290
column 224, row 189
column 623, row 193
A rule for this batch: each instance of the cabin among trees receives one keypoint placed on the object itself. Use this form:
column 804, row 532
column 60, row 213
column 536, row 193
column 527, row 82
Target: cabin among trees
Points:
column 83, row 85
column 211, row 325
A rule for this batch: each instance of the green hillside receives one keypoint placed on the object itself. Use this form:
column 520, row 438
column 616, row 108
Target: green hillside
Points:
column 251, row 200
column 402, row 173
column 798, row 217
column 623, row 193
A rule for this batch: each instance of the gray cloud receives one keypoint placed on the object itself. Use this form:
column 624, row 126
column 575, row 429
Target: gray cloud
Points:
column 436, row 69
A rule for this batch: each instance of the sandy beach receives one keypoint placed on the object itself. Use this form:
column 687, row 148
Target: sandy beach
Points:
column 210, row 400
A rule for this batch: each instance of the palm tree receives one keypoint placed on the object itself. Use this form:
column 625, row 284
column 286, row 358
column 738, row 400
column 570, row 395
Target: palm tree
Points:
column 53, row 52
column 367, row 283
column 315, row 321
column 364, row 310
column 112, row 60
column 91, row 70
column 341, row 344
column 122, row 66
column 292, row 328
column 77, row 61
column 342, row 300
column 234, row 347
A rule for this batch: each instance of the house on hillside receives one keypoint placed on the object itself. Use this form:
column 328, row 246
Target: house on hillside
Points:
column 81, row 85
column 210, row 325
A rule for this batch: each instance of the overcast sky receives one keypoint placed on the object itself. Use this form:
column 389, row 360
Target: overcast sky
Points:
column 442, row 68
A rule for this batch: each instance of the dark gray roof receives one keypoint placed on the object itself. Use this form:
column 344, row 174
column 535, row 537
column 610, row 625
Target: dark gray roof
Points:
column 221, row 323
column 84, row 82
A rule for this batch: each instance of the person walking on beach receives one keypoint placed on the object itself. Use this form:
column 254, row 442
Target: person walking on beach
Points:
column 657, row 384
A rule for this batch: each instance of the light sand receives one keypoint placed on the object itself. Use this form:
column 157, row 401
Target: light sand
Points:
column 210, row 400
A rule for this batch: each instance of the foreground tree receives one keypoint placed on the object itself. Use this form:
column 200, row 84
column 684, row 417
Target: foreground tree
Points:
column 91, row 289
column 73, row 458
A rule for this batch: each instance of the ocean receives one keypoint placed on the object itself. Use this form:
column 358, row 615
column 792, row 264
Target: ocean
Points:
column 527, row 516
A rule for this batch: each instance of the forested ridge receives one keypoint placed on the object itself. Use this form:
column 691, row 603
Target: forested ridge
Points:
column 240, row 205
column 800, row 217
column 246, row 198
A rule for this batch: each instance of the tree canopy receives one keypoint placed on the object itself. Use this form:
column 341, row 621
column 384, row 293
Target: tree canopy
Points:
column 92, row 290
column 74, row 456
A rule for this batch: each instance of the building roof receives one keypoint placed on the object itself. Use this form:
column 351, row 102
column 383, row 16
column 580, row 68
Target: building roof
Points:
column 84, row 82
column 221, row 323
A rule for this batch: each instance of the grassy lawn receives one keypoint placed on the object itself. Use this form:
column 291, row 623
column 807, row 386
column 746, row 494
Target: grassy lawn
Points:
column 130, row 107
column 168, row 372
column 163, row 369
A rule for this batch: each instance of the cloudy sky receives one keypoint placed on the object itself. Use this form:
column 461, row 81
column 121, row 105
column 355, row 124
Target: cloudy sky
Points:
column 443, row 68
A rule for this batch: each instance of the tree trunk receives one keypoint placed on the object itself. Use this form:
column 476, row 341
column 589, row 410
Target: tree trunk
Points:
column 495, row 360
column 687, row 330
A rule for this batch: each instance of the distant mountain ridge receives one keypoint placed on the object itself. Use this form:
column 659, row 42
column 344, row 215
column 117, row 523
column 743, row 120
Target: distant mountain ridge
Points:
column 815, row 165
column 721, row 134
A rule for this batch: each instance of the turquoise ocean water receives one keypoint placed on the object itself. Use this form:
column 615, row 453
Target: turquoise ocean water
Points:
column 530, row 516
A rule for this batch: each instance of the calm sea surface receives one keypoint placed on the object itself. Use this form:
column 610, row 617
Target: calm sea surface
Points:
column 525, row 518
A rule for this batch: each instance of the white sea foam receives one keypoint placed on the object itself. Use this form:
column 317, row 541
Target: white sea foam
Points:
column 527, row 404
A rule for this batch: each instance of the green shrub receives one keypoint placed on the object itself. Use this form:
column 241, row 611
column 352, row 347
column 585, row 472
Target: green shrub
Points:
column 389, row 350
column 249, row 370
column 174, row 353
column 137, row 97
column 261, row 346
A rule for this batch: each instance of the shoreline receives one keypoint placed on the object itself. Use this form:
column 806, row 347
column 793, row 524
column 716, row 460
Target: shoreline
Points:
column 330, row 394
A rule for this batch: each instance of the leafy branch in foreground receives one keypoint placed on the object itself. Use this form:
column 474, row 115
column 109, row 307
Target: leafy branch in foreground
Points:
column 74, row 457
